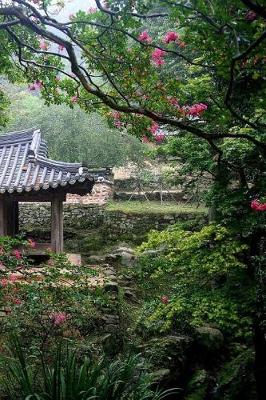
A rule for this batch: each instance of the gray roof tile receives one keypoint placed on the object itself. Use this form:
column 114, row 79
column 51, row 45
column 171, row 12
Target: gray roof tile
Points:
column 25, row 166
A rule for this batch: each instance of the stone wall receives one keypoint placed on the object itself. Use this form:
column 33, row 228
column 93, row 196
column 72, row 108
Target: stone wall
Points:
column 88, row 228
column 101, row 192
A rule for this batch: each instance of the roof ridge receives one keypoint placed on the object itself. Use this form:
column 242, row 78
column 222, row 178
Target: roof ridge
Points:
column 17, row 133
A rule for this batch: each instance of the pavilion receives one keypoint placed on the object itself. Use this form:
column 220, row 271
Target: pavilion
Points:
column 28, row 175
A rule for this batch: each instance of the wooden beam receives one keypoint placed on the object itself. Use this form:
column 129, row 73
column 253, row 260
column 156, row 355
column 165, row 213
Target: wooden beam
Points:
column 57, row 225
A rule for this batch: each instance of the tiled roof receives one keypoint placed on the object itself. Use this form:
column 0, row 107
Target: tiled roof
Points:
column 25, row 166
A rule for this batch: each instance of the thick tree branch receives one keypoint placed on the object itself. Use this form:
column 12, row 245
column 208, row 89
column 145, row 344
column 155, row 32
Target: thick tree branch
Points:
column 18, row 13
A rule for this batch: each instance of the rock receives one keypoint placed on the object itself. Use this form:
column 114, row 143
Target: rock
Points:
column 120, row 250
column 96, row 259
column 111, row 319
column 111, row 287
column 169, row 352
column 112, row 257
column 128, row 293
column 209, row 338
column 127, row 260
column 111, row 277
column 111, row 328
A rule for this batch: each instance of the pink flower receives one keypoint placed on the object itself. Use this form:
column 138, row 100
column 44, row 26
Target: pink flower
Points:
column 74, row 99
column 159, row 137
column 2, row 266
column 165, row 299
column 58, row 318
column 35, row 85
column 116, row 114
column 157, row 57
column 61, row 48
column 3, row 282
column 31, row 86
column 57, row 78
column 158, row 53
column 181, row 44
column 196, row 110
column 170, row 37
column 145, row 37
column 38, row 84
column 118, row 124
column 31, row 243
column 251, row 16
column 71, row 16
column 17, row 301
column 173, row 101
column 257, row 205
column 17, row 254
column 92, row 10
column 44, row 45
column 13, row 277
column 145, row 139
column 153, row 128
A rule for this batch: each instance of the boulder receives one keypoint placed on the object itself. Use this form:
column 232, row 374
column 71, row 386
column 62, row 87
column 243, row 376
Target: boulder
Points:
column 111, row 287
column 209, row 338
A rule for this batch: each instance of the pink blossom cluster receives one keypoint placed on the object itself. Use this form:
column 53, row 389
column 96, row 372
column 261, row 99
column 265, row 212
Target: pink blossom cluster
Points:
column 251, row 16
column 44, row 45
column 145, row 37
column 58, row 318
column 157, row 57
column 117, row 121
column 171, row 37
column 12, row 278
column 158, row 135
column 37, row 85
column 17, row 254
column 257, row 205
column 92, row 10
column 31, row 243
column 74, row 99
column 173, row 101
column 196, row 110
column 165, row 299
column 61, row 48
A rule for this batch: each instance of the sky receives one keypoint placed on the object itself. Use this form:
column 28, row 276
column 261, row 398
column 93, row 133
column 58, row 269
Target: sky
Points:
column 72, row 6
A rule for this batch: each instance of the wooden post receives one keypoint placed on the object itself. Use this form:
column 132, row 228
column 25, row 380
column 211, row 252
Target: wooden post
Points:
column 12, row 217
column 3, row 219
column 8, row 217
column 57, row 225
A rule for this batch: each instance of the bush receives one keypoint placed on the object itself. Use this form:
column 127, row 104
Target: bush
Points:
column 196, row 278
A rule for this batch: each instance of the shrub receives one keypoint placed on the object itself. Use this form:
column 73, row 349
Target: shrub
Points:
column 69, row 377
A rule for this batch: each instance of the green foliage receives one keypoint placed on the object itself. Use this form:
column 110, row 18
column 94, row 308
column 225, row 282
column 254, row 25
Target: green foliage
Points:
column 204, row 277
column 31, row 298
column 72, row 134
column 71, row 377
